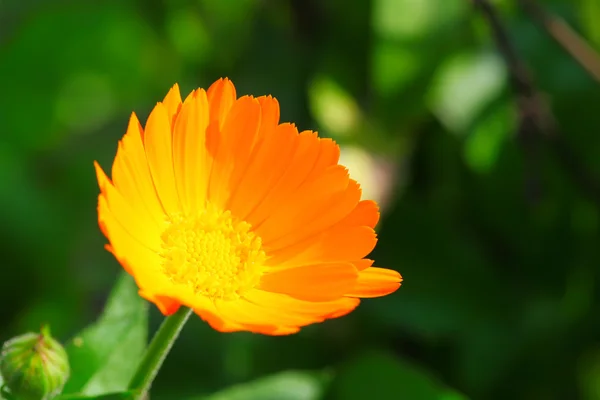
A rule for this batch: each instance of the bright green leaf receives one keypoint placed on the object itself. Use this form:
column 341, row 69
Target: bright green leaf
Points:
column 333, row 107
column 589, row 11
column 404, row 19
column 408, row 37
column 383, row 377
column 484, row 142
column 464, row 86
column 1, row 384
column 394, row 66
column 291, row 385
column 104, row 356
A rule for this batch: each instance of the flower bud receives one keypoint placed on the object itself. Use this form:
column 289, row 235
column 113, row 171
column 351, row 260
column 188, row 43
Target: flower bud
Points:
column 34, row 366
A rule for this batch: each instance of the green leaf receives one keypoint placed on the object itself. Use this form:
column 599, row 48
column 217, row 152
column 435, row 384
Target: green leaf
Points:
column 382, row 377
column 588, row 12
column 464, row 86
column 589, row 374
column 333, row 107
column 1, row 384
column 409, row 36
column 104, row 356
column 290, row 385
column 484, row 143
column 107, row 396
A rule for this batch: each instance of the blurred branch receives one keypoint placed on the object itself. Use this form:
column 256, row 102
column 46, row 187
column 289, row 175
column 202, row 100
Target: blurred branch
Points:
column 535, row 115
column 535, row 118
column 571, row 41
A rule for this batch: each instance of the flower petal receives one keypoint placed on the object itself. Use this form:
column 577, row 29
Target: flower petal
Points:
column 190, row 157
column 335, row 244
column 321, row 282
column 166, row 305
column 136, row 258
column 158, row 146
column 221, row 96
column 329, row 154
column 317, row 206
column 318, row 311
column 255, row 318
column 362, row 264
column 140, row 228
column 217, row 322
column 366, row 213
column 269, row 118
column 376, row 282
column 237, row 138
column 131, row 175
column 308, row 157
column 269, row 159
column 172, row 103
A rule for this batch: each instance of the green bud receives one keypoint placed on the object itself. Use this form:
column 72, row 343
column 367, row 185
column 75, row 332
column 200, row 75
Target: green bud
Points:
column 34, row 366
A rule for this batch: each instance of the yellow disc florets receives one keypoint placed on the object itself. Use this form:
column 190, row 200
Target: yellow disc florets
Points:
column 215, row 254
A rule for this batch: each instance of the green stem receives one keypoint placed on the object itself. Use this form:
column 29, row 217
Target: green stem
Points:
column 157, row 352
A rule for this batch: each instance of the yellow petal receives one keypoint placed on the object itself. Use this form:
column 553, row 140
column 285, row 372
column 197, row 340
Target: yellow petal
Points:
column 135, row 222
column 157, row 143
column 172, row 103
column 131, row 175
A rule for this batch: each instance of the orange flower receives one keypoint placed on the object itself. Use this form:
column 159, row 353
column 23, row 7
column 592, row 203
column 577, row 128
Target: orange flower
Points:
column 217, row 206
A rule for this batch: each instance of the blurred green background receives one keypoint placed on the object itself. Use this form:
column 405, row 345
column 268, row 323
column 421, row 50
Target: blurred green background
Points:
column 498, row 242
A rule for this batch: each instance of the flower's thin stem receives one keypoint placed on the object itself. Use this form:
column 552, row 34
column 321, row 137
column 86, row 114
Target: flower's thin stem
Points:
column 157, row 352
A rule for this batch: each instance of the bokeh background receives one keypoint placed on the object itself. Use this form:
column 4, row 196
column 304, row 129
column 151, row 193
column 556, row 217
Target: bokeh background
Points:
column 494, row 227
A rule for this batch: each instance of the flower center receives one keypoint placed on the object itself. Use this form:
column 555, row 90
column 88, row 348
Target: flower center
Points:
column 213, row 253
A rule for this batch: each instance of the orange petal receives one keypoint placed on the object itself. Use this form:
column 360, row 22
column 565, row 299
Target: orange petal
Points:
column 245, row 158
column 376, row 282
column 311, row 282
column 335, row 244
column 329, row 154
column 269, row 107
column 221, row 96
column 237, row 139
column 158, row 145
column 217, row 322
column 316, row 207
column 269, row 160
column 366, row 213
column 166, row 305
column 305, row 203
column 293, row 168
column 190, row 157
column 362, row 264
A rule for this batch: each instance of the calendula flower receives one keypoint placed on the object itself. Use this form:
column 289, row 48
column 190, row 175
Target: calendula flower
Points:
column 218, row 206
